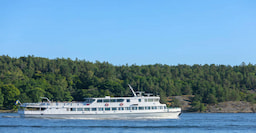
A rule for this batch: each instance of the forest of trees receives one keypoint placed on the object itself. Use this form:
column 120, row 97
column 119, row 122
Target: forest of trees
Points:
column 29, row 78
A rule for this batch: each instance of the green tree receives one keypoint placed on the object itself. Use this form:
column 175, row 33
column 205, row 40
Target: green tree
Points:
column 67, row 96
column 175, row 103
column 11, row 94
column 197, row 106
column 1, row 99
column 36, row 93
column 211, row 99
column 163, row 98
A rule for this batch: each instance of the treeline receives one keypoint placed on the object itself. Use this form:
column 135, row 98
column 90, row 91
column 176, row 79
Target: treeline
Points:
column 29, row 78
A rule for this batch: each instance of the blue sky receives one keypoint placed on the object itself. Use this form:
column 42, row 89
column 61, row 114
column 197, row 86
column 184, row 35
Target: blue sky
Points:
column 138, row 32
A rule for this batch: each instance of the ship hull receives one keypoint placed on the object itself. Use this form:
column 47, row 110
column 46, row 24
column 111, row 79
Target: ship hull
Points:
column 148, row 115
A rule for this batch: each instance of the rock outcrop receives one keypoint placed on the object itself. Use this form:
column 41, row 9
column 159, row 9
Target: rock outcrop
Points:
column 232, row 107
column 224, row 107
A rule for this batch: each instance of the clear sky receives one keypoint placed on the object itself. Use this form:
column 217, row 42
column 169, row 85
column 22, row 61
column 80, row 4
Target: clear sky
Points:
column 130, row 32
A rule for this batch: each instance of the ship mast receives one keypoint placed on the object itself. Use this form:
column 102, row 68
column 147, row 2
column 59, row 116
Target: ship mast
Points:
column 46, row 99
column 132, row 90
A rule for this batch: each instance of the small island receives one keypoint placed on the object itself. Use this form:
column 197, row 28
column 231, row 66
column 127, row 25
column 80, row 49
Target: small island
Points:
column 195, row 88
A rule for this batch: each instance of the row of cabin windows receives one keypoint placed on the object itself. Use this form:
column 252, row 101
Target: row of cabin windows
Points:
column 122, row 100
column 117, row 108
column 109, row 100
column 151, row 100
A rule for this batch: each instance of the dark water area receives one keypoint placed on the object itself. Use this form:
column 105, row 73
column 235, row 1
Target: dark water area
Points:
column 188, row 123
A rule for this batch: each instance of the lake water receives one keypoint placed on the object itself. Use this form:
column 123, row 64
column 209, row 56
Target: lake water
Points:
column 188, row 123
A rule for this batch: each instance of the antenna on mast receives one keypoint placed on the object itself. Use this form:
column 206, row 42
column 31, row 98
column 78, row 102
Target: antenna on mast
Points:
column 132, row 90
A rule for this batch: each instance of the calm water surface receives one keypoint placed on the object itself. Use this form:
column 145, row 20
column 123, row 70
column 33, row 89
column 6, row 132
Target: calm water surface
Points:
column 188, row 123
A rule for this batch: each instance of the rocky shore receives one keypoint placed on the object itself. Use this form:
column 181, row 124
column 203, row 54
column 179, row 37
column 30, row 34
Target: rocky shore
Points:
column 223, row 107
column 232, row 107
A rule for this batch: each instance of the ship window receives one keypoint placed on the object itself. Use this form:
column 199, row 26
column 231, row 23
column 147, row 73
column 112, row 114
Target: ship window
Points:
column 100, row 109
column 139, row 100
column 43, row 109
column 134, row 108
column 68, row 109
column 89, row 100
column 99, row 101
column 141, row 108
column 112, row 100
column 114, row 109
column 73, row 109
column 94, row 109
column 79, row 109
column 164, row 107
column 147, row 108
column 127, row 100
column 146, row 100
column 121, row 108
column 107, row 109
column 106, row 100
column 33, row 109
column 86, row 109
column 120, row 100
column 155, row 100
column 154, row 107
column 127, row 108
column 161, row 107
column 150, row 100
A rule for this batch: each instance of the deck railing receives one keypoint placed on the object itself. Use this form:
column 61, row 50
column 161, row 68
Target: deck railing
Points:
column 54, row 104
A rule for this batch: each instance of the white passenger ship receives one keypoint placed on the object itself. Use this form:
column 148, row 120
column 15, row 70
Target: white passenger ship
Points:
column 137, row 107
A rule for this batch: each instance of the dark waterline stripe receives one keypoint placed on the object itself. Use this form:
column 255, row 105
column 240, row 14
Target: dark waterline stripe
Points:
column 35, row 126
column 137, row 127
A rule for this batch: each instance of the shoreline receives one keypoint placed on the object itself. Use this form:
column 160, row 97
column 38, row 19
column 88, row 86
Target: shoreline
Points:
column 182, row 111
column 185, row 102
column 8, row 111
